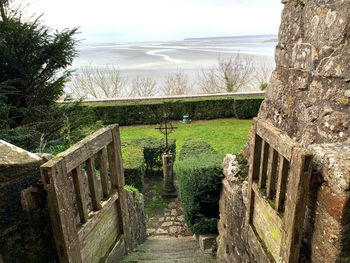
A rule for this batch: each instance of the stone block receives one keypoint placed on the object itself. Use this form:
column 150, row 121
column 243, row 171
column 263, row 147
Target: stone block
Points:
column 206, row 242
column 15, row 161
column 332, row 160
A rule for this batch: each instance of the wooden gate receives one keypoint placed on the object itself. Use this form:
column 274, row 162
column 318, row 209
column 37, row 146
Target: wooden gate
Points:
column 104, row 227
column 279, row 176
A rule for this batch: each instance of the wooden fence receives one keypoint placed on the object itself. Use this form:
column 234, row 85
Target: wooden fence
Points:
column 106, row 224
column 279, row 176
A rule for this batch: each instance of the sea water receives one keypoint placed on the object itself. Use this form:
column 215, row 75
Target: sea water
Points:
column 157, row 60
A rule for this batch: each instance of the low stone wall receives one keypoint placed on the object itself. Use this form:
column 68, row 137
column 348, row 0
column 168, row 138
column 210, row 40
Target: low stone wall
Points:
column 233, row 245
column 26, row 236
column 174, row 97
column 137, row 217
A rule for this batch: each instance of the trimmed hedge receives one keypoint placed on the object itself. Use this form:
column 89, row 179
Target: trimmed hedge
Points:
column 151, row 112
column 152, row 149
column 247, row 108
column 199, row 184
column 134, row 166
column 194, row 147
column 199, row 173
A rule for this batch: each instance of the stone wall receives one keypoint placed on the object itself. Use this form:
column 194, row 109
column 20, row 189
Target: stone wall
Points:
column 26, row 236
column 135, row 203
column 308, row 97
column 232, row 244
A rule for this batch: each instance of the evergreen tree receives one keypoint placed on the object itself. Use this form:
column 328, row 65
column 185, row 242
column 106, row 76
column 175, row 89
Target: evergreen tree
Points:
column 33, row 71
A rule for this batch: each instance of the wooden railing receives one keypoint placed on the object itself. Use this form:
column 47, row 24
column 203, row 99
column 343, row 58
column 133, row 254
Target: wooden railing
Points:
column 279, row 176
column 99, row 229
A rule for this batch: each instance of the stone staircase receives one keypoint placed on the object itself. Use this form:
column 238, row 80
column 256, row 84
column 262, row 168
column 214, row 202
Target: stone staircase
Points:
column 170, row 250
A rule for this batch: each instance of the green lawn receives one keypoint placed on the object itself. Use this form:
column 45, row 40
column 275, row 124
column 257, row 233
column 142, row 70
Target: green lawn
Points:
column 224, row 135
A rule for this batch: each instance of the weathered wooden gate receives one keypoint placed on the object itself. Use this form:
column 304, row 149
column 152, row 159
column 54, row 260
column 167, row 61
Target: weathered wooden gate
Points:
column 103, row 229
column 279, row 176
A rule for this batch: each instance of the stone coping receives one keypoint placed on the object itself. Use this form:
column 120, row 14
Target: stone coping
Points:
column 134, row 99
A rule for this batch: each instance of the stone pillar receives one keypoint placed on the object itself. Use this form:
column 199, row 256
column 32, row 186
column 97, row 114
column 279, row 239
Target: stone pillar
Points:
column 169, row 190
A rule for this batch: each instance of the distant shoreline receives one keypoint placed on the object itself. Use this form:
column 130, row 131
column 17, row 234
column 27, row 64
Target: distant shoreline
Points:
column 231, row 37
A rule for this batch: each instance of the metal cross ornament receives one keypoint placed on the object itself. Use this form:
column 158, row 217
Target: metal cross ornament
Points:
column 166, row 128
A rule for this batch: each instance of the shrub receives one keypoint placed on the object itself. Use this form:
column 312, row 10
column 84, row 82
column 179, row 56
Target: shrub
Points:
column 134, row 166
column 247, row 108
column 199, row 184
column 152, row 149
column 194, row 147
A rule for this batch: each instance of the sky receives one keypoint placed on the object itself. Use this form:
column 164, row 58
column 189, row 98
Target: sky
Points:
column 121, row 21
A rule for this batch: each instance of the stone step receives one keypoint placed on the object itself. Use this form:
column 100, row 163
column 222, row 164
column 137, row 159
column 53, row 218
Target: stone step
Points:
column 168, row 249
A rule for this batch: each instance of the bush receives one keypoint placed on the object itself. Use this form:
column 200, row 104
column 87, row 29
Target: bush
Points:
column 194, row 147
column 152, row 149
column 199, row 184
column 247, row 108
column 134, row 166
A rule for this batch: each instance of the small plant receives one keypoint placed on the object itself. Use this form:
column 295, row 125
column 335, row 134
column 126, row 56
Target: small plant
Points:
column 263, row 86
column 299, row 2
column 133, row 189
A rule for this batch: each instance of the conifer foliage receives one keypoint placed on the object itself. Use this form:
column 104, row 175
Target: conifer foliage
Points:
column 33, row 71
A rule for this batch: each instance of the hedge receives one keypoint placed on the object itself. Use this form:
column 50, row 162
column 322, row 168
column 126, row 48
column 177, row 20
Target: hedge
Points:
column 134, row 166
column 152, row 112
column 194, row 147
column 246, row 108
column 199, row 186
column 152, row 149
column 199, row 173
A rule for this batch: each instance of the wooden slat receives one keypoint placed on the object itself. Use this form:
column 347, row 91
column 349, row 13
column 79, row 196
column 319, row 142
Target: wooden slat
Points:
column 281, row 183
column 274, row 215
column 118, row 180
column 89, row 226
column 91, row 174
column 297, row 194
column 254, row 160
column 59, row 201
column 263, row 164
column 102, row 163
column 80, row 194
column 281, row 142
column 271, row 173
column 267, row 224
column 81, row 151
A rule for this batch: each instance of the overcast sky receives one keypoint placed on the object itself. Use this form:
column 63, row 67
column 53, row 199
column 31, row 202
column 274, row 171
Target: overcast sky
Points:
column 152, row 20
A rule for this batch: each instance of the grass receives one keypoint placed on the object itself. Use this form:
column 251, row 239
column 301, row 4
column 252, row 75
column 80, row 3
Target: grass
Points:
column 154, row 203
column 224, row 135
